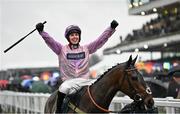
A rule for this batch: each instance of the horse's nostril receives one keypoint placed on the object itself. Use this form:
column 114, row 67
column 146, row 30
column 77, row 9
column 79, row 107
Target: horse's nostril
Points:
column 148, row 90
column 150, row 103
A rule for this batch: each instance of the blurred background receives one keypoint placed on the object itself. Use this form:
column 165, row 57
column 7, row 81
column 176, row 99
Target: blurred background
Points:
column 147, row 28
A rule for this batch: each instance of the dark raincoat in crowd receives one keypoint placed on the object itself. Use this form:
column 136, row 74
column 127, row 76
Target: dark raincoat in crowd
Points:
column 40, row 87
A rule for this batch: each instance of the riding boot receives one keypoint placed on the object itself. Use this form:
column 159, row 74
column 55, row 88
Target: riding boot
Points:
column 60, row 99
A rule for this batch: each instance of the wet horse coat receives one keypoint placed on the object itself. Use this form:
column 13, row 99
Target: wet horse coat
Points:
column 97, row 97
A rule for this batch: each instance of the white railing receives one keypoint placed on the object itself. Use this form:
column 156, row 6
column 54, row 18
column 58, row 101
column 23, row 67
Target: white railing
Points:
column 166, row 105
column 18, row 102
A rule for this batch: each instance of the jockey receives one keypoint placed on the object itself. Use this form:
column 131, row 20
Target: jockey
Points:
column 74, row 58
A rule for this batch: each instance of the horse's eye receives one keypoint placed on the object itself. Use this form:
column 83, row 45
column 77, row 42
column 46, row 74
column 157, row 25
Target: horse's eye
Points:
column 134, row 78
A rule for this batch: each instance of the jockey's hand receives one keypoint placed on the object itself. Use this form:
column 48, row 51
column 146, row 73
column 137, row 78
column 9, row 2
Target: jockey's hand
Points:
column 114, row 24
column 40, row 27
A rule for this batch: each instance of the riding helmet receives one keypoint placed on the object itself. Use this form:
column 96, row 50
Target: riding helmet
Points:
column 72, row 29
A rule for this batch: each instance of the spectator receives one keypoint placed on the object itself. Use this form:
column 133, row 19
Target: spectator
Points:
column 174, row 85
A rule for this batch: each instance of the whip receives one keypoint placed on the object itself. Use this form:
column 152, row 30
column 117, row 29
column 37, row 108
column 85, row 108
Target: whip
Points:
column 21, row 39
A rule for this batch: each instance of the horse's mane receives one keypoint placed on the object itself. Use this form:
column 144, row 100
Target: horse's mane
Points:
column 106, row 72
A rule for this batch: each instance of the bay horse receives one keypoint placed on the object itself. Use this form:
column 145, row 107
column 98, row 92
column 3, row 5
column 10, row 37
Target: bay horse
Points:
column 97, row 97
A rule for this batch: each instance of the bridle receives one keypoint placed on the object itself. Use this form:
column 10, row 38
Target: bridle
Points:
column 137, row 97
column 131, row 87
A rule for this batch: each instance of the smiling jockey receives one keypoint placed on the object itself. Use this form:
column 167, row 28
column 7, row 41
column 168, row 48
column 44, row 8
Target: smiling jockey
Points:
column 74, row 58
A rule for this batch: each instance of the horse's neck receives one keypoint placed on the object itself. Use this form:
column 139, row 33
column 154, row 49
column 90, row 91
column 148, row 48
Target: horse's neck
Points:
column 104, row 90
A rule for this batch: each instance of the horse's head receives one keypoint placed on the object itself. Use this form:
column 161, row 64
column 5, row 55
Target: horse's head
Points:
column 133, row 84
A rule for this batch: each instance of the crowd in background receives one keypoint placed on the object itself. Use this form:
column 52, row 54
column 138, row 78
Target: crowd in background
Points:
column 42, row 82
column 161, row 26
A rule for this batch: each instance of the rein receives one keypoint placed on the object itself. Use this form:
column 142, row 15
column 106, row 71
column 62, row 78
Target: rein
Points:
column 101, row 108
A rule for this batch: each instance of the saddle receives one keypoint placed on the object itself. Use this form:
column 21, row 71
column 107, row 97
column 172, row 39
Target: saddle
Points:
column 72, row 101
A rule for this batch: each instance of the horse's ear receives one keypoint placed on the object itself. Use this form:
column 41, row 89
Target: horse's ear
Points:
column 129, row 61
column 133, row 61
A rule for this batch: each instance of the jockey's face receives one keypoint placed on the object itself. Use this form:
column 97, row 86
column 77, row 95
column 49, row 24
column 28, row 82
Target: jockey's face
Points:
column 74, row 38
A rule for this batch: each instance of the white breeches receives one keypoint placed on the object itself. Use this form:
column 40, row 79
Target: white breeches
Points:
column 73, row 85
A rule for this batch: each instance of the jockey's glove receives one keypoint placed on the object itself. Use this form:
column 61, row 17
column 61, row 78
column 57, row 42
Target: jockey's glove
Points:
column 114, row 24
column 39, row 27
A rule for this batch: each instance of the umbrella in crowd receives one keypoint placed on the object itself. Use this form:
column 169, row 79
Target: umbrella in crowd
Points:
column 23, row 77
column 27, row 83
column 45, row 75
column 3, row 84
column 53, row 80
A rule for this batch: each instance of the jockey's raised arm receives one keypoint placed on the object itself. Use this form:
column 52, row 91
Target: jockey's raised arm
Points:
column 101, row 40
column 54, row 45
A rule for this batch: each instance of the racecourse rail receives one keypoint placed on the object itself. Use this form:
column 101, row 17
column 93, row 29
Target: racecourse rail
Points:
column 18, row 102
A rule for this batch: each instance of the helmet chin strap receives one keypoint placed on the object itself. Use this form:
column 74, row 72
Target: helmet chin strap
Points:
column 73, row 46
